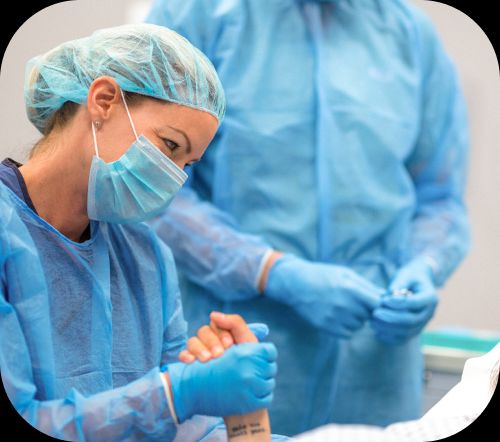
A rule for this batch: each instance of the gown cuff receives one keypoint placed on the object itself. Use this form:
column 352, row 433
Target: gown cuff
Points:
column 262, row 267
column 168, row 395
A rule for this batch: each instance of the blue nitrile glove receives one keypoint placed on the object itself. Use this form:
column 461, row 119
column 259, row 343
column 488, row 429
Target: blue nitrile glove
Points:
column 238, row 382
column 332, row 298
column 400, row 318
column 259, row 329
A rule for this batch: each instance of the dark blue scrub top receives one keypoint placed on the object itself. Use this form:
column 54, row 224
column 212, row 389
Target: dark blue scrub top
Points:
column 12, row 178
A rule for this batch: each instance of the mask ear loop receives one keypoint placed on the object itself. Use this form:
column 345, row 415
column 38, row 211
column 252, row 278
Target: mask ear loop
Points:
column 95, row 140
column 96, row 148
column 128, row 113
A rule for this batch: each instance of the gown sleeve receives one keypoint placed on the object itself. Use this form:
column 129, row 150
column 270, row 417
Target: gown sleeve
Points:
column 438, row 165
column 209, row 249
column 137, row 410
column 208, row 246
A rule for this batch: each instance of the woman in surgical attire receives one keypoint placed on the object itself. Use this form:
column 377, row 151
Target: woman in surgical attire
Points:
column 91, row 322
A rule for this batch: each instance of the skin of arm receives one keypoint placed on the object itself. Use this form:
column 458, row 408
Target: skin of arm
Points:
column 252, row 427
column 273, row 257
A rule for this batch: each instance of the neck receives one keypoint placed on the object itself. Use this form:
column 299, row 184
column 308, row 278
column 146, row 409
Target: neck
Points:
column 57, row 181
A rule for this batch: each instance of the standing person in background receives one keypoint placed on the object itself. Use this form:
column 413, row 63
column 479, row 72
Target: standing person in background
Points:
column 336, row 180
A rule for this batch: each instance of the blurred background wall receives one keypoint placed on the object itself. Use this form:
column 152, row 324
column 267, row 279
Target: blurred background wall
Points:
column 471, row 298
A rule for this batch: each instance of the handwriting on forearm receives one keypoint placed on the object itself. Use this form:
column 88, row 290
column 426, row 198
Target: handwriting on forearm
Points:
column 245, row 430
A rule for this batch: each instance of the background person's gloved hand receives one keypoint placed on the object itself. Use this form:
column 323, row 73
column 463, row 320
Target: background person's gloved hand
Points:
column 400, row 318
column 332, row 298
column 238, row 382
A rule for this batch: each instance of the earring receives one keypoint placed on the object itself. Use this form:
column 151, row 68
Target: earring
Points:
column 97, row 124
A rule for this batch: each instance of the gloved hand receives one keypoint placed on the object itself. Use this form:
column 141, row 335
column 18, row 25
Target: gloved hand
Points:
column 238, row 382
column 332, row 298
column 259, row 329
column 399, row 318
column 224, row 331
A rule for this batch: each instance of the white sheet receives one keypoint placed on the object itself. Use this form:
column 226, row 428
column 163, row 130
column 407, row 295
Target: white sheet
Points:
column 455, row 411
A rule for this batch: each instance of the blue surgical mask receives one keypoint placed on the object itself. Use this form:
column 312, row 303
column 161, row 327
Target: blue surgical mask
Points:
column 138, row 186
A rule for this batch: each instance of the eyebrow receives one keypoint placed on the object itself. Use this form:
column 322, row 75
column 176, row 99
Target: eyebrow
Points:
column 188, row 141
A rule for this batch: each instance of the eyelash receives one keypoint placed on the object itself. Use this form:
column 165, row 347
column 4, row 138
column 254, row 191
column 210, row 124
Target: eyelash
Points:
column 172, row 145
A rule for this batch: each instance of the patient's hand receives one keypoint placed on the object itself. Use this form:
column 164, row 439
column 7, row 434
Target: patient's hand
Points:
column 212, row 340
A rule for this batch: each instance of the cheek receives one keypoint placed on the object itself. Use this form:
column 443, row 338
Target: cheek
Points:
column 180, row 159
column 159, row 144
column 112, row 146
column 182, row 164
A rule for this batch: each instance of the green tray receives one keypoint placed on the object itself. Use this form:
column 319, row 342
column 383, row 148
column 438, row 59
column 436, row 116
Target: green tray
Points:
column 462, row 339
column 446, row 350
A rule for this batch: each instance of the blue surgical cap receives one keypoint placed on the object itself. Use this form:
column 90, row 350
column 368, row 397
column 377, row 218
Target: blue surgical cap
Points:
column 143, row 58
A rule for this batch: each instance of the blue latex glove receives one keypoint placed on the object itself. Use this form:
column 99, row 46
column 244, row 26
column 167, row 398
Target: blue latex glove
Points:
column 400, row 318
column 239, row 382
column 259, row 329
column 332, row 298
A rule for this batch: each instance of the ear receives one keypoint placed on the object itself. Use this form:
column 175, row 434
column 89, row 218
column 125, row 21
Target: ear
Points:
column 104, row 93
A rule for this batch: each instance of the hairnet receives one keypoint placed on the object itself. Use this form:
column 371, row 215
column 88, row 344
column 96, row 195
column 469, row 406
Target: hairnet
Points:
column 143, row 58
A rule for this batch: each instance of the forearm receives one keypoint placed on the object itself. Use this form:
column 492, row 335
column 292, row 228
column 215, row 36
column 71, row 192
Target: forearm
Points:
column 267, row 262
column 438, row 165
column 441, row 237
column 209, row 249
column 135, row 411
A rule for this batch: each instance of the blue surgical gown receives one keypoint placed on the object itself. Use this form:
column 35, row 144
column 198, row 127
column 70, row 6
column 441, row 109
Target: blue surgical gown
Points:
column 345, row 141
column 85, row 328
